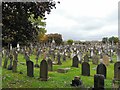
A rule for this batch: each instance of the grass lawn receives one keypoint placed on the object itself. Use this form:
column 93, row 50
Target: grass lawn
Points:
column 56, row 80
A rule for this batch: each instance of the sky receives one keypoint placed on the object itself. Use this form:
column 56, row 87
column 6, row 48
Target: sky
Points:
column 84, row 19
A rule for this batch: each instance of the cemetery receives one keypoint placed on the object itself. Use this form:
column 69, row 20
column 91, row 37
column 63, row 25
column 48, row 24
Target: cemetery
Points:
column 19, row 69
column 31, row 60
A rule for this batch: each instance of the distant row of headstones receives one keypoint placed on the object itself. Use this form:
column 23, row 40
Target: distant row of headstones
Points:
column 46, row 66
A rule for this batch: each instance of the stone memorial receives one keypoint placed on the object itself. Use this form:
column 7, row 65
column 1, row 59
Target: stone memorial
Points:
column 117, row 71
column 75, row 62
column 50, row 65
column 98, row 82
column 30, row 69
column 85, row 69
column 101, row 69
column 43, row 70
column 106, row 60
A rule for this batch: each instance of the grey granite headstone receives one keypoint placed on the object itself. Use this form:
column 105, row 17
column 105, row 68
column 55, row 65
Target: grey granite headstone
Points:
column 30, row 69
column 101, row 69
column 98, row 82
column 43, row 70
column 85, row 69
column 75, row 61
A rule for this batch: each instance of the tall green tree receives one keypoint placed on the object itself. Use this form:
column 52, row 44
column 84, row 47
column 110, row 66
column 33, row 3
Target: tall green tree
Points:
column 113, row 39
column 105, row 40
column 56, row 37
column 70, row 41
column 15, row 19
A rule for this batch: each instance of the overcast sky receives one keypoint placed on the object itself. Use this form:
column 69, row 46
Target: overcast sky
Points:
column 84, row 19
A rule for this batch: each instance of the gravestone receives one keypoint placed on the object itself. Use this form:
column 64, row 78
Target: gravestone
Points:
column 95, row 59
column 30, row 69
column 75, row 61
column 64, row 57
column 117, row 71
column 43, row 70
column 106, row 60
column 14, row 67
column 27, row 58
column 101, row 69
column 85, row 69
column 98, row 82
column 58, row 58
column 5, row 62
column 86, row 58
column 11, row 59
column 50, row 65
column 63, row 70
column 118, row 54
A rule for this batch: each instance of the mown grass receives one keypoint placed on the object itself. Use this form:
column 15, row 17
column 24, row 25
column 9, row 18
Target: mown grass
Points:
column 56, row 80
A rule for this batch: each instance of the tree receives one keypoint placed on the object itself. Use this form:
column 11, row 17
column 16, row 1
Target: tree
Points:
column 113, row 39
column 57, row 37
column 105, row 39
column 70, row 41
column 16, row 24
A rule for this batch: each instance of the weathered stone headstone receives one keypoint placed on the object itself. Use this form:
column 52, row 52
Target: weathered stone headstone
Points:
column 5, row 62
column 98, row 82
column 63, row 70
column 11, row 59
column 30, row 69
column 106, row 60
column 77, row 81
column 118, row 54
column 86, row 58
column 101, row 69
column 14, row 67
column 64, row 57
column 43, row 70
column 85, row 69
column 27, row 58
column 50, row 65
column 75, row 61
column 117, row 71
column 58, row 58
column 95, row 59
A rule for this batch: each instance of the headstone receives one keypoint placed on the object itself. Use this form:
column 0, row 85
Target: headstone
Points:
column 95, row 59
column 5, row 62
column 85, row 69
column 11, row 59
column 118, row 54
column 75, row 61
column 101, row 69
column 98, row 82
column 117, row 71
column 64, row 57
column 43, row 70
column 58, row 58
column 50, row 65
column 63, row 70
column 27, row 58
column 86, row 58
column 77, row 81
column 30, row 69
column 106, row 60
column 14, row 68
